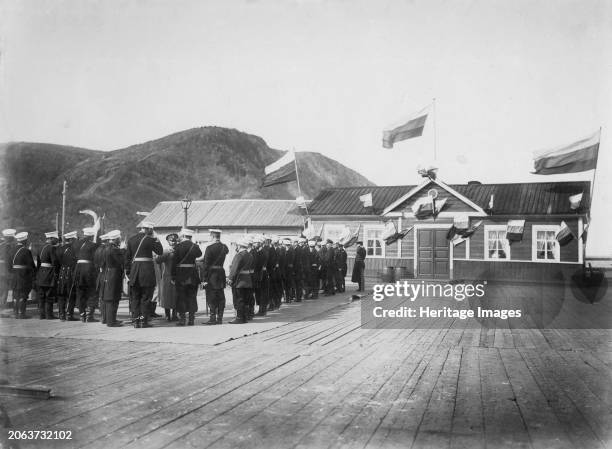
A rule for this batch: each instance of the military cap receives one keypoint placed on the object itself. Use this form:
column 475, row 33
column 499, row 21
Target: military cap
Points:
column 9, row 233
column 359, row 242
column 173, row 236
column 329, row 241
column 89, row 231
column 147, row 224
column 21, row 236
column 286, row 241
column 70, row 235
column 187, row 232
column 113, row 235
column 51, row 235
column 311, row 243
column 302, row 239
column 216, row 231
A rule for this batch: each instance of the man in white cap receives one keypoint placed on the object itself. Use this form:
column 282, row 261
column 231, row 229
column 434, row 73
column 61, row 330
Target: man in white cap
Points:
column 85, row 275
column 7, row 246
column 241, row 280
column 274, row 273
column 23, row 271
column 185, row 277
column 66, row 292
column 213, row 276
column 46, row 275
column 285, row 260
column 141, row 272
column 111, row 278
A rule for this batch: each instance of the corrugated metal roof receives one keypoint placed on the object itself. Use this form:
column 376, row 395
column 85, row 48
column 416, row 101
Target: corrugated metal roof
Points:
column 228, row 213
column 532, row 198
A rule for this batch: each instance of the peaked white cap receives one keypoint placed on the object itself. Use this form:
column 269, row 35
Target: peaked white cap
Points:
column 9, row 233
column 187, row 232
column 21, row 236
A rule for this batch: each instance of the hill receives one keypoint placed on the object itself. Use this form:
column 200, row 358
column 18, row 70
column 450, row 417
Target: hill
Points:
column 207, row 163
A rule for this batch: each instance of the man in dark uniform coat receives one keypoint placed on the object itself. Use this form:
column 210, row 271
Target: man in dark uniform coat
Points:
column 329, row 262
column 341, row 267
column 111, row 278
column 302, row 269
column 323, row 271
column 85, row 275
column 66, row 291
column 185, row 277
column 241, row 280
column 290, row 256
column 260, row 271
column 359, row 266
column 23, row 271
column 281, row 254
column 98, row 260
column 141, row 272
column 7, row 247
column 213, row 276
column 314, row 265
column 46, row 276
column 273, row 275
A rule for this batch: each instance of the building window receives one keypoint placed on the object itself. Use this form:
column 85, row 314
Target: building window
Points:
column 497, row 246
column 544, row 243
column 332, row 231
column 373, row 242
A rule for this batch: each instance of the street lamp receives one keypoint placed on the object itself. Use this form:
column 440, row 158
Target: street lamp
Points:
column 185, row 204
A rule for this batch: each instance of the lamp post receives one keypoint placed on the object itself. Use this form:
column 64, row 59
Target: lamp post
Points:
column 185, row 204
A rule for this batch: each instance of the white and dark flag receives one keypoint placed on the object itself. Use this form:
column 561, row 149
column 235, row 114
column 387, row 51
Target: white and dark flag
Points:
column 573, row 158
column 407, row 129
column 282, row 171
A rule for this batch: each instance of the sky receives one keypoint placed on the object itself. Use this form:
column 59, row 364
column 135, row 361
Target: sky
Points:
column 508, row 78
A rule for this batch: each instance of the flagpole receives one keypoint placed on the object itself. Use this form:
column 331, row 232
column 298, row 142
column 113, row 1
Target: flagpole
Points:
column 583, row 243
column 434, row 126
column 595, row 170
column 297, row 178
column 63, row 208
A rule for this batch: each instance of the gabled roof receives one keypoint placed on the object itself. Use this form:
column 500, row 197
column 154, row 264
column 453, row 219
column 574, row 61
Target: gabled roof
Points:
column 533, row 198
column 228, row 213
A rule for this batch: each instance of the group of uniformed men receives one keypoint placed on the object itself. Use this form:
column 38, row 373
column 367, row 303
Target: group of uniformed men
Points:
column 88, row 272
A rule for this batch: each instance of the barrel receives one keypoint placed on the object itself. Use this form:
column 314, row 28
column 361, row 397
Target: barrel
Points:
column 403, row 273
column 388, row 275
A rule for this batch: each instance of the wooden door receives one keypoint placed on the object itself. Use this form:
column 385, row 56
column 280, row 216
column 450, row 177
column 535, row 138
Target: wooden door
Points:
column 433, row 254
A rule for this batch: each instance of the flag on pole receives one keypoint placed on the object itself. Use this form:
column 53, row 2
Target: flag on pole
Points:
column 460, row 224
column 514, row 230
column 366, row 199
column 427, row 206
column 352, row 239
column 576, row 157
column 583, row 235
column 575, row 201
column 413, row 127
column 281, row 171
column 564, row 234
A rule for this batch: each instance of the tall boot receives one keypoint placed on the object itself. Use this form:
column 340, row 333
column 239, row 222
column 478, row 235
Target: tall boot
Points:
column 41, row 306
column 213, row 316
column 50, row 315
column 136, row 322
column 174, row 316
column 191, row 321
column 219, row 316
column 153, row 306
column 181, row 319
column 167, row 312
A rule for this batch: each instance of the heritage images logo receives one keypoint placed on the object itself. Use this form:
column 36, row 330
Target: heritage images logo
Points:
column 412, row 291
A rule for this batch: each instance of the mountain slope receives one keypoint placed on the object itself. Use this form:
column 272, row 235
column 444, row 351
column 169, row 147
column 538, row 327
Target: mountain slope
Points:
column 207, row 163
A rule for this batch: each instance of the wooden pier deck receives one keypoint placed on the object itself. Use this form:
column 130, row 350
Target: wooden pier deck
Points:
column 311, row 379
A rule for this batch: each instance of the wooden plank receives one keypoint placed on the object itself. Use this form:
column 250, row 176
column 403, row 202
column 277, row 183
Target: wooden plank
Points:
column 504, row 426
column 467, row 429
column 436, row 426
column 545, row 430
column 578, row 427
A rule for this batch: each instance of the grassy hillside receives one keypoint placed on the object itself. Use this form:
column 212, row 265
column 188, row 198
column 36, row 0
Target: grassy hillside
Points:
column 207, row 163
